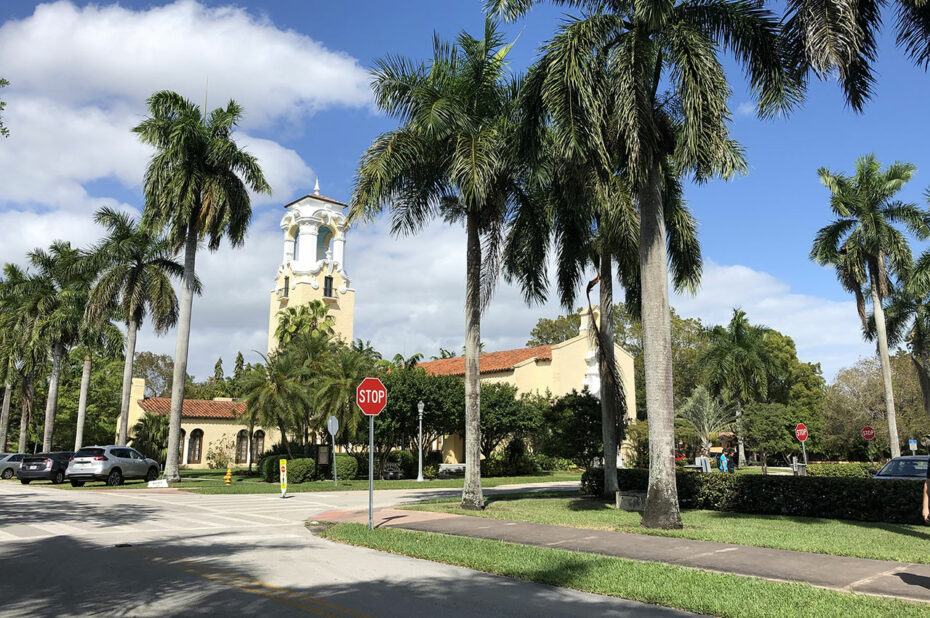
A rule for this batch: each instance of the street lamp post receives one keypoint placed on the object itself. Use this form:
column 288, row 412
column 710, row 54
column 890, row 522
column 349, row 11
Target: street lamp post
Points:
column 420, row 443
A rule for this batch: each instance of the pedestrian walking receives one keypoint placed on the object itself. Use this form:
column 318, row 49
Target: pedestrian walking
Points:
column 723, row 462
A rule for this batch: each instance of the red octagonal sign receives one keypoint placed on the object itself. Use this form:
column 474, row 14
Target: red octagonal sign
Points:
column 868, row 433
column 801, row 432
column 371, row 396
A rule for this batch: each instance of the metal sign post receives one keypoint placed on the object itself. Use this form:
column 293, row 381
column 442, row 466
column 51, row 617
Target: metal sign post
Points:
column 333, row 426
column 371, row 397
column 800, row 433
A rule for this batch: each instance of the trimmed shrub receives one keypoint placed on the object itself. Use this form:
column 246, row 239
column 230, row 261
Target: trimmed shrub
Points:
column 430, row 471
column 268, row 468
column 860, row 499
column 545, row 462
column 301, row 470
column 361, row 462
column 346, row 466
column 862, row 470
column 407, row 460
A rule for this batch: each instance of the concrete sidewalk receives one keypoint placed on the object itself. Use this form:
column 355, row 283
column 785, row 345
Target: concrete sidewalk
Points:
column 878, row 577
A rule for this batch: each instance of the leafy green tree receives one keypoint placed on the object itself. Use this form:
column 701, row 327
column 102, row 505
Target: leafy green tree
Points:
column 738, row 366
column 504, row 415
column 864, row 241
column 672, row 119
column 97, row 338
column 451, row 156
column 100, row 399
column 443, row 353
column 3, row 130
column 706, row 415
column 136, row 268
column 196, row 187
column 156, row 370
column 571, row 429
column 303, row 319
column 150, row 436
column 218, row 373
column 547, row 332
column 769, row 430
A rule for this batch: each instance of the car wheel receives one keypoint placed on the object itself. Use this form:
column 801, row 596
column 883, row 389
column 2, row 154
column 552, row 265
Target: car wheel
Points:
column 24, row 481
column 152, row 475
column 7, row 474
column 77, row 483
column 59, row 478
column 115, row 478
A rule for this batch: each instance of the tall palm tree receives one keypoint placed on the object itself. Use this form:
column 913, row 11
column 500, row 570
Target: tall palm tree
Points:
column 864, row 242
column 334, row 394
column 451, row 156
column 907, row 316
column 738, row 366
column 276, row 393
column 97, row 338
column 706, row 415
column 196, row 187
column 136, row 267
column 56, row 295
column 671, row 93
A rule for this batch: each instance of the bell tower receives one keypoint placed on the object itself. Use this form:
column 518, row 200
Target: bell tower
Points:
column 313, row 265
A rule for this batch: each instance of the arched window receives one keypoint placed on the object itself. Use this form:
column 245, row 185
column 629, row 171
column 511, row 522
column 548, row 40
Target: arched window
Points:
column 296, row 245
column 324, row 242
column 181, row 447
column 195, row 447
column 258, row 444
column 242, row 447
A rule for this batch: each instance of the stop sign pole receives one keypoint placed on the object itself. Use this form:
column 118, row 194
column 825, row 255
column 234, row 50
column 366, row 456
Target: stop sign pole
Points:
column 801, row 433
column 371, row 397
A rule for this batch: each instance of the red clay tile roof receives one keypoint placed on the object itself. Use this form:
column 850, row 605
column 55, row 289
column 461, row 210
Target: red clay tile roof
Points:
column 489, row 363
column 195, row 408
column 318, row 197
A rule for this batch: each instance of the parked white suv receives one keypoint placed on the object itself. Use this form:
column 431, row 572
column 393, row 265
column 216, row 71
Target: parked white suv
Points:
column 111, row 464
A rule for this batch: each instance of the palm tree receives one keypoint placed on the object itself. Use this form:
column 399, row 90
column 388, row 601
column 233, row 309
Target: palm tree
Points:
column 276, row 393
column 651, row 45
column 310, row 317
column 98, row 337
column 451, row 156
column 866, row 245
column 738, row 366
column 706, row 415
column 334, row 393
column 56, row 295
column 196, row 187
column 136, row 267
column 839, row 39
column 907, row 316
column 150, row 436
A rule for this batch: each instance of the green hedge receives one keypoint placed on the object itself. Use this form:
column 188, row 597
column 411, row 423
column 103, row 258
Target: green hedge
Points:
column 268, row 468
column 346, row 466
column 861, row 499
column 301, row 470
column 861, row 470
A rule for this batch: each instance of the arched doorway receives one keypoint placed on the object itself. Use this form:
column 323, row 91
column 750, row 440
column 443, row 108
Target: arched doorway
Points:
column 258, row 444
column 195, row 447
column 242, row 447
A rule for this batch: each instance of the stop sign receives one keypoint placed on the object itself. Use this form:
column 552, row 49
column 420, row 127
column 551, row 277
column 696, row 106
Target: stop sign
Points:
column 801, row 432
column 371, row 396
column 868, row 433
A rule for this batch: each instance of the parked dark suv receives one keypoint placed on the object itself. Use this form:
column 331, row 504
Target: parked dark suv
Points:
column 44, row 466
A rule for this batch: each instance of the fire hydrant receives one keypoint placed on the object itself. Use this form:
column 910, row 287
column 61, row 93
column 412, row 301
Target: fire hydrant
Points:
column 228, row 477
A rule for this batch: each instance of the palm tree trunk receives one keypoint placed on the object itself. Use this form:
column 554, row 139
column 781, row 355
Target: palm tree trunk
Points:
column 922, row 365
column 51, row 404
column 180, row 354
column 661, row 509
column 284, row 442
column 26, row 416
column 5, row 414
column 82, row 403
column 131, row 329
column 609, row 396
column 472, row 497
column 740, row 452
column 882, row 333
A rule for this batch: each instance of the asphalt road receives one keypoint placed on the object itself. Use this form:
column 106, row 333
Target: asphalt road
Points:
column 129, row 553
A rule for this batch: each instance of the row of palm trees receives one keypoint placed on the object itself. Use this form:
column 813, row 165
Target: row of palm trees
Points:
column 69, row 298
column 584, row 156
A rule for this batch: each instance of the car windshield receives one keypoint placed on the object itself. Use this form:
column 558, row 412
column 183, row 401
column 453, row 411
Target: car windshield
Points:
column 905, row 467
column 89, row 452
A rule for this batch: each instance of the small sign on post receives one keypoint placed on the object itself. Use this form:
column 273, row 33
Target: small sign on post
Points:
column 800, row 433
column 333, row 426
column 868, row 433
column 913, row 445
column 371, row 397
column 283, row 464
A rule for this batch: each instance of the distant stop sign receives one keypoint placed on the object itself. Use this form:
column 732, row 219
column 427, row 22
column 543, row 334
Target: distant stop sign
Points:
column 868, row 433
column 801, row 432
column 371, row 396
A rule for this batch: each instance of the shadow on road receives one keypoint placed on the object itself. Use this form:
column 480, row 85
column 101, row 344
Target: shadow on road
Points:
column 36, row 509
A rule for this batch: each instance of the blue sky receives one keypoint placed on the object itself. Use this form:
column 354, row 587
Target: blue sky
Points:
column 80, row 74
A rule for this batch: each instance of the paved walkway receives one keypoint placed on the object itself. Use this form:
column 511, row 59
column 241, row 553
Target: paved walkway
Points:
column 879, row 577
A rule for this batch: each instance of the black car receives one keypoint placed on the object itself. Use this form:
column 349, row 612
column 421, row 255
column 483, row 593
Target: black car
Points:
column 44, row 466
column 912, row 467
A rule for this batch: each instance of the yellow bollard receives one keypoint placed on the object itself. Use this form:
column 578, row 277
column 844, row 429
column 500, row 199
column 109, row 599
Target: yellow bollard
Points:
column 228, row 477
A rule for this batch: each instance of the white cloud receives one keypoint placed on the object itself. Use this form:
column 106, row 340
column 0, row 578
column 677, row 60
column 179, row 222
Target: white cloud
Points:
column 746, row 109
column 89, row 54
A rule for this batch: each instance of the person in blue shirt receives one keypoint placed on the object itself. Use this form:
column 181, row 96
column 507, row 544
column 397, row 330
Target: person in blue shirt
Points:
column 723, row 462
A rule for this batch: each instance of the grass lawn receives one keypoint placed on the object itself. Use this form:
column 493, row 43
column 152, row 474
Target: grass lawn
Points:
column 823, row 536
column 673, row 586
column 211, row 482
